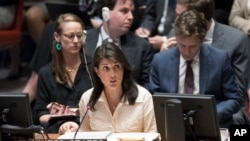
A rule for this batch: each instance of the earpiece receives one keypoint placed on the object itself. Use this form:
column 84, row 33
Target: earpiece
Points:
column 105, row 14
column 87, row 68
column 85, row 35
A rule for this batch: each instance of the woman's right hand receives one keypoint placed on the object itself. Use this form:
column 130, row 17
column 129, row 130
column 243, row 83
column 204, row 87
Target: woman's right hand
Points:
column 59, row 109
column 69, row 126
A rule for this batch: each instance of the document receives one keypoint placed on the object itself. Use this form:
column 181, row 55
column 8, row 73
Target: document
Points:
column 103, row 135
column 134, row 137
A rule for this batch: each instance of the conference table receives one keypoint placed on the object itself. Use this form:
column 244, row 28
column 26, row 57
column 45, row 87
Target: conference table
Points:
column 51, row 136
column 224, row 135
column 101, row 136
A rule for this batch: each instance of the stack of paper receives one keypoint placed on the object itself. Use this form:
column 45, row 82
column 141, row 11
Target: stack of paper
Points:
column 97, row 136
column 134, row 137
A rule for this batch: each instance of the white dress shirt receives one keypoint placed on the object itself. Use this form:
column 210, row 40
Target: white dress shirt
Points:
column 196, row 71
column 103, row 35
column 139, row 117
column 209, row 36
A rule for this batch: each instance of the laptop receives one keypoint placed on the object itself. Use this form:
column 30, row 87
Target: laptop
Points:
column 56, row 9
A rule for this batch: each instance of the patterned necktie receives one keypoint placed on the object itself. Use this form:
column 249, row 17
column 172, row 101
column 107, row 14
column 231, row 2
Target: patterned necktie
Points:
column 189, row 79
column 111, row 40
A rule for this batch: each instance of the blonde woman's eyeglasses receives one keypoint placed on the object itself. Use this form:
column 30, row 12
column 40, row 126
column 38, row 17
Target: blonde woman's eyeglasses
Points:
column 71, row 36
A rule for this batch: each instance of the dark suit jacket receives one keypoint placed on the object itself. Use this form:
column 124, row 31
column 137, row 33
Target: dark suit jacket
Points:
column 137, row 50
column 153, row 14
column 237, row 44
column 216, row 78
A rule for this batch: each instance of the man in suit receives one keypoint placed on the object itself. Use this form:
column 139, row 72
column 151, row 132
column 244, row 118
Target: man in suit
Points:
column 232, row 40
column 211, row 67
column 118, row 18
column 151, row 20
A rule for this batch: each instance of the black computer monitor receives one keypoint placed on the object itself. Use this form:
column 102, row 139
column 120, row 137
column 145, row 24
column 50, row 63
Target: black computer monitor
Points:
column 182, row 117
column 16, row 116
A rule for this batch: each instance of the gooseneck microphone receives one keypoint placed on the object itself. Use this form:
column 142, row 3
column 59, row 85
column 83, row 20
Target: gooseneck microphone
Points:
column 89, row 107
column 161, row 27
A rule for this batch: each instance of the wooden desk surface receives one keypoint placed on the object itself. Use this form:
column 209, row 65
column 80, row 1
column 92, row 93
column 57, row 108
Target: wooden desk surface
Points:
column 51, row 136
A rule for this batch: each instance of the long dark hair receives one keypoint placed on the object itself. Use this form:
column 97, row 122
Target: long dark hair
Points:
column 112, row 52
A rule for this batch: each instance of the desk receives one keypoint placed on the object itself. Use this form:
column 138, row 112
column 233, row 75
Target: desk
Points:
column 106, row 135
column 55, row 136
column 51, row 136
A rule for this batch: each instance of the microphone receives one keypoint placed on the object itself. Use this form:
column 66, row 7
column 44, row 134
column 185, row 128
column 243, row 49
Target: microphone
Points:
column 89, row 107
column 163, row 18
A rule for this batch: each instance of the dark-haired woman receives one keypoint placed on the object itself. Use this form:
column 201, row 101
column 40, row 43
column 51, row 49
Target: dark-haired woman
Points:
column 116, row 102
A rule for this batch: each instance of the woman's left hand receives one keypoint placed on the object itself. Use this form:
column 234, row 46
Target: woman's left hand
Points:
column 69, row 126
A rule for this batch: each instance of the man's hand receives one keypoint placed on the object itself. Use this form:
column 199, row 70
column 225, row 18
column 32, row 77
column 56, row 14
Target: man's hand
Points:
column 168, row 43
column 142, row 32
column 156, row 41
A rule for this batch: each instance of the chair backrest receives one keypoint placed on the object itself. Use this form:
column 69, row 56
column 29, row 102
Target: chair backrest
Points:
column 18, row 16
column 13, row 35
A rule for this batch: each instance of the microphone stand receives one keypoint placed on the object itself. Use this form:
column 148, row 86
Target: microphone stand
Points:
column 161, row 27
column 88, row 108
